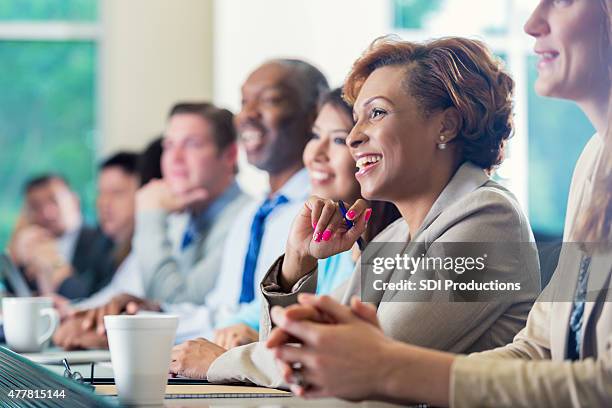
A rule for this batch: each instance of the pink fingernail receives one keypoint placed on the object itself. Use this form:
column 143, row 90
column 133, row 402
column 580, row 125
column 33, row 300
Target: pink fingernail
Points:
column 350, row 215
column 368, row 214
column 314, row 225
column 317, row 237
column 326, row 235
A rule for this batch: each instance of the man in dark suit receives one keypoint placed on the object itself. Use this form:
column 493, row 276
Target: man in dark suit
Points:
column 56, row 251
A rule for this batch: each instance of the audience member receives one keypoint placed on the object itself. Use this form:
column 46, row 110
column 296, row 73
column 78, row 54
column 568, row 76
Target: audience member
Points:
column 118, row 181
column 58, row 252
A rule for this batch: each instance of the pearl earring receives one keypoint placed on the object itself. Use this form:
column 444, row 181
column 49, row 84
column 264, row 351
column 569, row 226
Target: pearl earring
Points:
column 442, row 144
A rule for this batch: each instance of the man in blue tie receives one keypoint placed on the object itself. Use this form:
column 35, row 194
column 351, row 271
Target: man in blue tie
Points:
column 279, row 106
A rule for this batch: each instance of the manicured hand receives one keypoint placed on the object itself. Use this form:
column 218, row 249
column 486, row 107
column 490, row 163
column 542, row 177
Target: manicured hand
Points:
column 319, row 231
column 341, row 359
column 296, row 312
column 194, row 357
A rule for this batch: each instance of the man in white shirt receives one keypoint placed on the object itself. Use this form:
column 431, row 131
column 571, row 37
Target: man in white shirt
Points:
column 279, row 105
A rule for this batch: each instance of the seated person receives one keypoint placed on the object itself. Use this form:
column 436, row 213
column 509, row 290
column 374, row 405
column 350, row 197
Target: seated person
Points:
column 57, row 252
column 118, row 181
column 183, row 220
column 332, row 175
column 427, row 146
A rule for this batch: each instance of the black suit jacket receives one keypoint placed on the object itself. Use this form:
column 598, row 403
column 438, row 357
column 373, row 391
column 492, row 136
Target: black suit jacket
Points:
column 92, row 262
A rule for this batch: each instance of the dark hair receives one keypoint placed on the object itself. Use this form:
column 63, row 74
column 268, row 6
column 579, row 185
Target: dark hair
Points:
column 221, row 120
column 42, row 180
column 149, row 161
column 312, row 83
column 383, row 214
column 126, row 161
column 334, row 98
column 449, row 72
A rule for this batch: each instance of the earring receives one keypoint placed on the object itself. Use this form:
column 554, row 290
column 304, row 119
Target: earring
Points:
column 442, row 144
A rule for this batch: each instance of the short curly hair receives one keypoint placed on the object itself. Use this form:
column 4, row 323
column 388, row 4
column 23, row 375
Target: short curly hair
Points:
column 449, row 72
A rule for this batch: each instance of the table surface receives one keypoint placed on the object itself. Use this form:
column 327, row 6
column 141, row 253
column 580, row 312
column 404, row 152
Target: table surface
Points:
column 104, row 370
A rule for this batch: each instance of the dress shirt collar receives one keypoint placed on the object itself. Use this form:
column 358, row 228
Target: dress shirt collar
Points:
column 297, row 188
column 208, row 216
column 67, row 243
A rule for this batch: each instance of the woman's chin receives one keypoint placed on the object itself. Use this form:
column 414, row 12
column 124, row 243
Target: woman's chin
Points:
column 372, row 193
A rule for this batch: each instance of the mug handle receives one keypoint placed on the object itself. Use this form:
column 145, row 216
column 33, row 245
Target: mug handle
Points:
column 53, row 323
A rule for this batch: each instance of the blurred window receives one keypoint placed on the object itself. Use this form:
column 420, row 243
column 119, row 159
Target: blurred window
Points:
column 48, row 77
column 37, row 10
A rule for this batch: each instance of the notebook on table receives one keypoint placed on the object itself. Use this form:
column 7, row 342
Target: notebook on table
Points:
column 24, row 383
column 186, row 391
column 55, row 356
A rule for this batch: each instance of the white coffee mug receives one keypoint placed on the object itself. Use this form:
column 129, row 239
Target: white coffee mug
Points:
column 25, row 322
column 140, row 347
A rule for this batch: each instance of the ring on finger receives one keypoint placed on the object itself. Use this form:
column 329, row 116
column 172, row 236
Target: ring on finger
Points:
column 298, row 375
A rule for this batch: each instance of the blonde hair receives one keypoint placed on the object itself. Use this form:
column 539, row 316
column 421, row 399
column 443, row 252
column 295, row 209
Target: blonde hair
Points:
column 595, row 220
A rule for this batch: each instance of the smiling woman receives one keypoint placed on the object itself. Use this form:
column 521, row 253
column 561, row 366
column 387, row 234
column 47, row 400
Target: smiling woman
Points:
column 458, row 110
column 425, row 146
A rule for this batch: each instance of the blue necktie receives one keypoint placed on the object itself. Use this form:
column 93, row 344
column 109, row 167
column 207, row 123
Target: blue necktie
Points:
column 247, row 294
column 189, row 235
column 575, row 323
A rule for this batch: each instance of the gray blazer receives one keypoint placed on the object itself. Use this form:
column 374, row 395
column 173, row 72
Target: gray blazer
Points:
column 471, row 208
column 173, row 276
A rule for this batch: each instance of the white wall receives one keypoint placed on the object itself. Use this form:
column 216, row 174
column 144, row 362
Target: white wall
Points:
column 329, row 34
column 153, row 53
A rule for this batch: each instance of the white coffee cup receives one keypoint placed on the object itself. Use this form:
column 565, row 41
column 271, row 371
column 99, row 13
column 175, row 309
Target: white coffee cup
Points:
column 140, row 347
column 25, row 325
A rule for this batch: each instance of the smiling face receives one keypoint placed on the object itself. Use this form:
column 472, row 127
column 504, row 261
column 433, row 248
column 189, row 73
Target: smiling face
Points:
column 271, row 125
column 327, row 158
column 392, row 142
column 191, row 158
column 568, row 37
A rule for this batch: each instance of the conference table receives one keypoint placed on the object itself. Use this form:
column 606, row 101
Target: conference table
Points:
column 82, row 362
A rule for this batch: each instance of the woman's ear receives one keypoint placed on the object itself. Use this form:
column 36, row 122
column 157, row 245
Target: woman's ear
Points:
column 450, row 124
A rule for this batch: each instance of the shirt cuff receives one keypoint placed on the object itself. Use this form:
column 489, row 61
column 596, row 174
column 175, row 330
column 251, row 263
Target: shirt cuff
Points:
column 270, row 286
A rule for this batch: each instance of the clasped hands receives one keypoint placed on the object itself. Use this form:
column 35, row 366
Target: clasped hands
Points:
column 324, row 348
